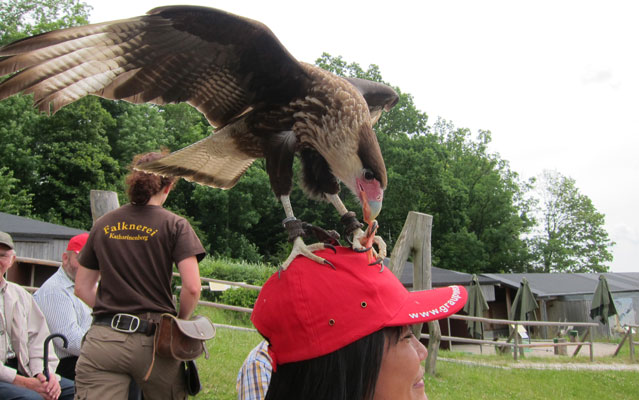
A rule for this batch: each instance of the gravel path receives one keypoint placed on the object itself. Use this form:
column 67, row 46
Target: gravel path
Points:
column 553, row 366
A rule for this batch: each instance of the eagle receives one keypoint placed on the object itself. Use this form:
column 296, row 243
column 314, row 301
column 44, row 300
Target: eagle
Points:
column 262, row 102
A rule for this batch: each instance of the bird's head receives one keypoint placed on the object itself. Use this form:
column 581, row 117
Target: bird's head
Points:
column 370, row 194
column 364, row 173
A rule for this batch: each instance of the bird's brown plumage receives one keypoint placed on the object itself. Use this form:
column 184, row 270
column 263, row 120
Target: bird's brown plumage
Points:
column 263, row 102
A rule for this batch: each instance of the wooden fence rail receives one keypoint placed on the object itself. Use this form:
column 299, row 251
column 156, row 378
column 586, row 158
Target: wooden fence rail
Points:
column 517, row 346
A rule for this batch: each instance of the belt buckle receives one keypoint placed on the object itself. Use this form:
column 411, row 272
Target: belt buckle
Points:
column 117, row 318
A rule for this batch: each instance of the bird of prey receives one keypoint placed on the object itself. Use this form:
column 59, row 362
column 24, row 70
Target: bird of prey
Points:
column 261, row 100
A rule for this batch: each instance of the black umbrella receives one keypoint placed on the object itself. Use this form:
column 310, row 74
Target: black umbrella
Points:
column 46, row 350
column 524, row 303
column 475, row 306
column 602, row 303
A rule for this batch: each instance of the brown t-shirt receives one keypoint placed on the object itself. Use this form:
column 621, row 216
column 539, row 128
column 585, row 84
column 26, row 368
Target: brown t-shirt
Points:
column 134, row 248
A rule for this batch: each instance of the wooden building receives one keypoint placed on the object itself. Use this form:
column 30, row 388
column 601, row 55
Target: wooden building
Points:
column 443, row 277
column 567, row 297
column 39, row 246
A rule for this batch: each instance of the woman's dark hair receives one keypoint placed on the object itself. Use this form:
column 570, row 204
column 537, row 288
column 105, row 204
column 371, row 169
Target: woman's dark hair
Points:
column 140, row 185
column 349, row 373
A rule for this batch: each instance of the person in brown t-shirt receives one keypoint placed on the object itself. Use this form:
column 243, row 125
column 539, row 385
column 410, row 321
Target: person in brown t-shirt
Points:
column 131, row 252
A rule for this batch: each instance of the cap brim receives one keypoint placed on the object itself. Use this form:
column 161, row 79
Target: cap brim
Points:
column 429, row 305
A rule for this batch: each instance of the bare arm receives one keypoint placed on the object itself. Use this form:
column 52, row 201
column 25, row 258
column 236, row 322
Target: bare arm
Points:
column 191, row 286
column 86, row 285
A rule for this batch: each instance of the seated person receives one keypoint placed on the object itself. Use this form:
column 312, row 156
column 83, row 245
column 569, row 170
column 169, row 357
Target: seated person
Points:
column 22, row 344
column 253, row 377
column 344, row 333
column 65, row 313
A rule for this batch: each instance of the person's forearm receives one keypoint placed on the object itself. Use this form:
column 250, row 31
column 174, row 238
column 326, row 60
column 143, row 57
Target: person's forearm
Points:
column 191, row 286
column 86, row 294
column 86, row 281
column 188, row 302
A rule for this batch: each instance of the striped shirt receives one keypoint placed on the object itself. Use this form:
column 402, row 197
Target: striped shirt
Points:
column 255, row 374
column 65, row 313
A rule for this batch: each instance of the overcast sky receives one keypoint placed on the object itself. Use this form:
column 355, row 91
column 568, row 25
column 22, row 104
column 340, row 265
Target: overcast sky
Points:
column 556, row 82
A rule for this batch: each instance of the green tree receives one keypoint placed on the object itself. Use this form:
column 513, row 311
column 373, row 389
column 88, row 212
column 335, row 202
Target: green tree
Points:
column 472, row 195
column 13, row 199
column 20, row 18
column 74, row 158
column 570, row 236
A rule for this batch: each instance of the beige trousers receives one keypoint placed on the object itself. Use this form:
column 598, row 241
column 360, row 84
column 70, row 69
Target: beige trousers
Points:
column 109, row 359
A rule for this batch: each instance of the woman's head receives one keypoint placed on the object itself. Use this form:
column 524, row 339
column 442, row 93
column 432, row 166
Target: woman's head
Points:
column 141, row 185
column 401, row 374
column 339, row 375
column 324, row 325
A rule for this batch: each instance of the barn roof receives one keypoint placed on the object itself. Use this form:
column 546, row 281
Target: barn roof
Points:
column 442, row 277
column 565, row 284
column 27, row 228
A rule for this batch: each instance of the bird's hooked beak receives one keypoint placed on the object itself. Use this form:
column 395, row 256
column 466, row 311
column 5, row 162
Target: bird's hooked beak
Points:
column 371, row 196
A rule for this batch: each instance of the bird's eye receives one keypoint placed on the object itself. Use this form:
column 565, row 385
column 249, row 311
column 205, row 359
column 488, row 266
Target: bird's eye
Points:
column 368, row 174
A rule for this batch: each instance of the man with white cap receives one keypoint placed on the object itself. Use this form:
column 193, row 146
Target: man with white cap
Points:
column 65, row 313
column 24, row 331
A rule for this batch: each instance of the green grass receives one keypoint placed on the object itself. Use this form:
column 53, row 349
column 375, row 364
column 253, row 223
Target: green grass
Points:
column 227, row 352
column 452, row 381
column 455, row 381
column 218, row 373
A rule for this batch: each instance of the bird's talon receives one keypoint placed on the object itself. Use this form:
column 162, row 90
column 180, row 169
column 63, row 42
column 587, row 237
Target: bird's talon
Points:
column 379, row 261
column 330, row 246
column 372, row 228
column 330, row 263
column 362, row 250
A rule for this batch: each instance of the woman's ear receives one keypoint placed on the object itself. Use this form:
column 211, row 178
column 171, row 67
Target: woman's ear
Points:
column 168, row 188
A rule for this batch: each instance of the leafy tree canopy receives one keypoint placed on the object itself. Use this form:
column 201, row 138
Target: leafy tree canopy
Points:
column 20, row 18
column 570, row 236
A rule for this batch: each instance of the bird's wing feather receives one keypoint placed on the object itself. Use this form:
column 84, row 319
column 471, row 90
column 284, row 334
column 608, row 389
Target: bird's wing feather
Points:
column 214, row 161
column 220, row 63
column 379, row 97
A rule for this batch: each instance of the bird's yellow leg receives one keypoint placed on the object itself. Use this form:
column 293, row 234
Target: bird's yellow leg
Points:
column 301, row 249
column 361, row 240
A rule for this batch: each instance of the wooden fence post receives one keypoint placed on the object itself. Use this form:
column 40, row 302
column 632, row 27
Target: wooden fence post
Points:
column 103, row 201
column 631, row 344
column 415, row 239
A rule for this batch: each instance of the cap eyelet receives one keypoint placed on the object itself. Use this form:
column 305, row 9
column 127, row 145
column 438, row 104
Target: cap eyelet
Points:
column 364, row 304
column 331, row 322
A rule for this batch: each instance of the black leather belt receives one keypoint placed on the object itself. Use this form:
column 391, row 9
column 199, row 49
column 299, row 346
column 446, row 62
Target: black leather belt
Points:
column 126, row 323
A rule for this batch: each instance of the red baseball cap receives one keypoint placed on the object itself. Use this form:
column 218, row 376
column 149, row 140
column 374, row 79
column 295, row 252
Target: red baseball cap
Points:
column 77, row 242
column 311, row 310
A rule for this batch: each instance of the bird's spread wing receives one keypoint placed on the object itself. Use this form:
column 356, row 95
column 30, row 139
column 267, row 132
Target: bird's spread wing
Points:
column 214, row 161
column 220, row 63
column 378, row 96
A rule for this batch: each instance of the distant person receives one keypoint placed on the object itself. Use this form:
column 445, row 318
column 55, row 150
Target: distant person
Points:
column 65, row 313
column 255, row 374
column 22, row 343
column 131, row 252
column 344, row 333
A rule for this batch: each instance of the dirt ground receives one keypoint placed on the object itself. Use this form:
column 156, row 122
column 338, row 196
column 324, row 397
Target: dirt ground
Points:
column 599, row 350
